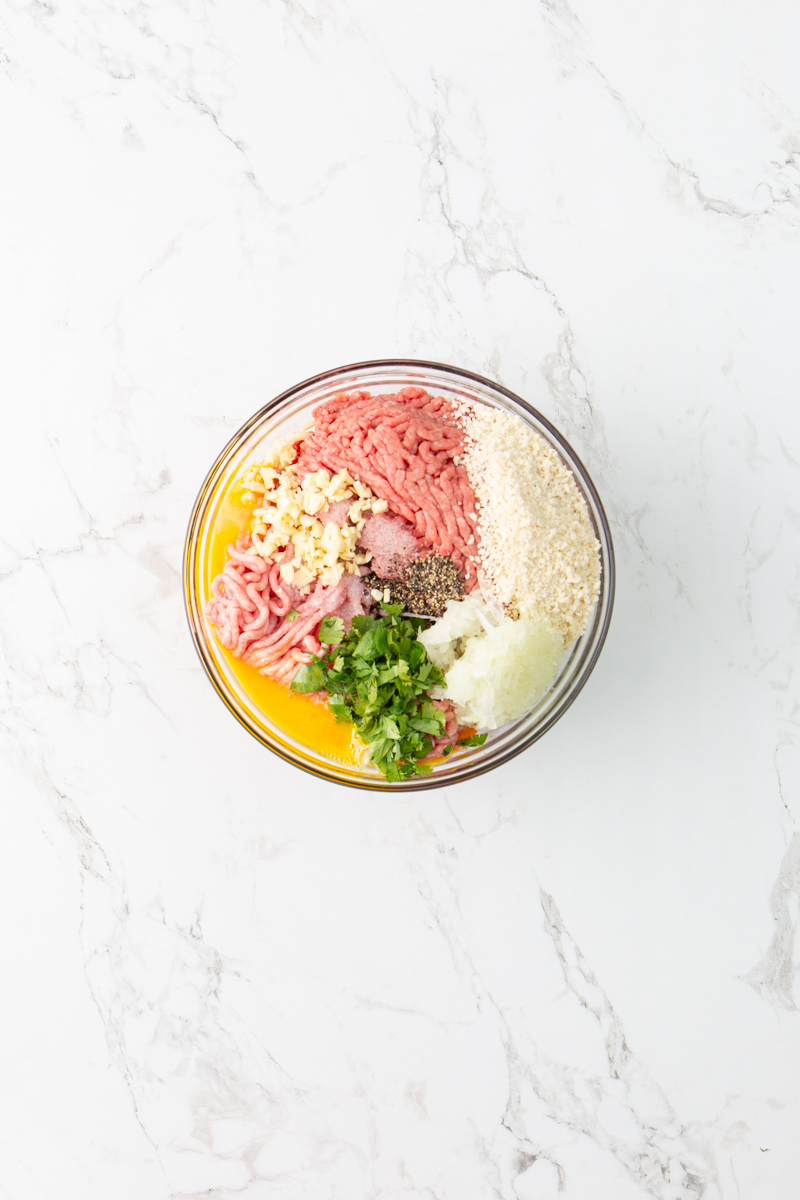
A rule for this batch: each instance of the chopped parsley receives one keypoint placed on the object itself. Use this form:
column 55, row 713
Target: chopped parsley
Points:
column 309, row 678
column 377, row 675
column 292, row 615
column 331, row 630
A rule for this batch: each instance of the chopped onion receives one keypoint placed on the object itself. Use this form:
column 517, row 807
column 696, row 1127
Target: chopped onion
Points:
column 496, row 668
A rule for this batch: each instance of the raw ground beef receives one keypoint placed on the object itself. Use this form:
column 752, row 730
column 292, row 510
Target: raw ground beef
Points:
column 404, row 447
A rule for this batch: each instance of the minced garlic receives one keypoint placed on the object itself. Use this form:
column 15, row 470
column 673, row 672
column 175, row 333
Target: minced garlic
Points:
column 286, row 513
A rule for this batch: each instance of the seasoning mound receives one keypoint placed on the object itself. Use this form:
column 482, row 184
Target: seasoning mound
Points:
column 537, row 546
column 422, row 585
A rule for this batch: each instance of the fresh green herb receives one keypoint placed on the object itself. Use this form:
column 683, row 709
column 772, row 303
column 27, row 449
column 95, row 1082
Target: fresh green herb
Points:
column 477, row 739
column 377, row 677
column 309, row 678
column 331, row 630
column 292, row 615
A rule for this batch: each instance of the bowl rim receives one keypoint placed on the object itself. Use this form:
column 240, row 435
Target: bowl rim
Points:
column 607, row 593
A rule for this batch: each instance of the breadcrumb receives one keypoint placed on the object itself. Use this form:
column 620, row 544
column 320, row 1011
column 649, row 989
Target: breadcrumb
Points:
column 537, row 544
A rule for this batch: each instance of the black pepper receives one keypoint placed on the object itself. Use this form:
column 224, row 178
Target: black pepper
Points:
column 422, row 585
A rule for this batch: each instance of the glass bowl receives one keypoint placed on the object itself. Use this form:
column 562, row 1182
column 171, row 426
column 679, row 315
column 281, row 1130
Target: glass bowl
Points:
column 285, row 415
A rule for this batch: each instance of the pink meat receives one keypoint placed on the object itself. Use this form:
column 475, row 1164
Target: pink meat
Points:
column 404, row 447
column 392, row 541
column 449, row 736
column 250, row 603
column 356, row 599
column 335, row 514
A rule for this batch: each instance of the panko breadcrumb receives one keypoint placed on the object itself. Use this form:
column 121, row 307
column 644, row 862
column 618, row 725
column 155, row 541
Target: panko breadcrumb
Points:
column 537, row 546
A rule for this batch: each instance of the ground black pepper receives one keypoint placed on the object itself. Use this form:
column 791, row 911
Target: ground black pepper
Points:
column 423, row 585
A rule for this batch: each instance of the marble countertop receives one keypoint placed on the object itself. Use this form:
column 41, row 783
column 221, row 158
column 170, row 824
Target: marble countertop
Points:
column 575, row 978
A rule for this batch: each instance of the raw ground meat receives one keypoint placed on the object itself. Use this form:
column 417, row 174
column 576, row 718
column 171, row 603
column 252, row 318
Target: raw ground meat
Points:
column 250, row 603
column 449, row 736
column 335, row 513
column 356, row 599
column 404, row 447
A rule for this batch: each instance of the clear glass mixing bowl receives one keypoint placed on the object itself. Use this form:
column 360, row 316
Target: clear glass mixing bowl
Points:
column 286, row 414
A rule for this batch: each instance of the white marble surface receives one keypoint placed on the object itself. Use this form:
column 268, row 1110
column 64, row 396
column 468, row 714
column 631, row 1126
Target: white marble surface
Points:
column 575, row 978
